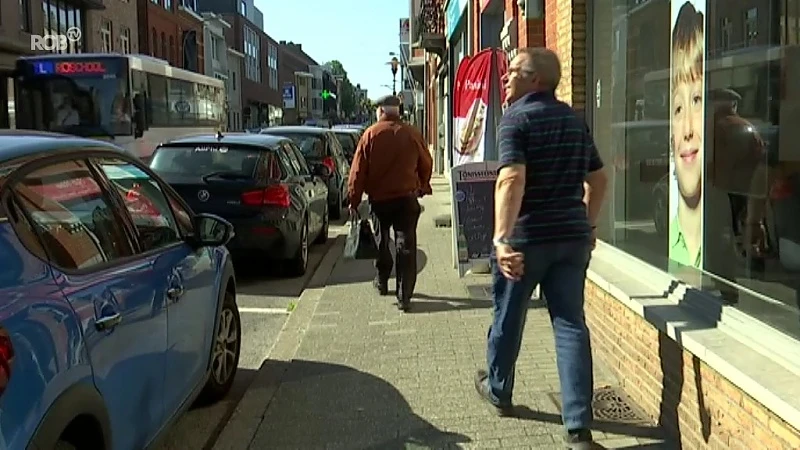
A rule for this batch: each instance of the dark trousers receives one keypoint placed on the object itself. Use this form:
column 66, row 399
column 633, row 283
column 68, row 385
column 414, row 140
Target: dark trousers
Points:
column 402, row 215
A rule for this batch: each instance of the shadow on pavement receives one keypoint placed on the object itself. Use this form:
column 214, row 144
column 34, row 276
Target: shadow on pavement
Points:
column 258, row 276
column 363, row 270
column 638, row 431
column 322, row 405
column 424, row 303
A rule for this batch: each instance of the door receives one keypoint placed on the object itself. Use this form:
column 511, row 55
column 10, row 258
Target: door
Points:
column 115, row 294
column 302, row 184
column 183, row 278
column 319, row 198
column 342, row 166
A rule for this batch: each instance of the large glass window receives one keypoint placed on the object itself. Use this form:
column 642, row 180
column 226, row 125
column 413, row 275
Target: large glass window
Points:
column 696, row 112
column 86, row 97
column 58, row 18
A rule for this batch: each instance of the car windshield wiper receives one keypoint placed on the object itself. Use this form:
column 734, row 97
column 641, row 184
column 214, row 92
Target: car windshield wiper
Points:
column 227, row 175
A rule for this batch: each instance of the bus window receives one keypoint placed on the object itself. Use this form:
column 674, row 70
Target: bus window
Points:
column 75, row 96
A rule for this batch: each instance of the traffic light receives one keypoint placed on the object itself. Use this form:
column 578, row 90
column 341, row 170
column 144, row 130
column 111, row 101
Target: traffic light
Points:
column 326, row 94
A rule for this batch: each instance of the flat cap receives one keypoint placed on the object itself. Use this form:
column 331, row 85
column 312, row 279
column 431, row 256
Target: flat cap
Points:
column 725, row 95
column 388, row 100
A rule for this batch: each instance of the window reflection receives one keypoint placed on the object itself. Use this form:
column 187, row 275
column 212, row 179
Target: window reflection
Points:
column 750, row 180
column 60, row 17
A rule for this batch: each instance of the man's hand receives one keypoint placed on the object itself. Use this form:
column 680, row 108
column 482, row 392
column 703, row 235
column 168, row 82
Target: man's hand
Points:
column 510, row 262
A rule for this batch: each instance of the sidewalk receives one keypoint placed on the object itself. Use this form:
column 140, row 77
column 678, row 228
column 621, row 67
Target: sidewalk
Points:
column 350, row 371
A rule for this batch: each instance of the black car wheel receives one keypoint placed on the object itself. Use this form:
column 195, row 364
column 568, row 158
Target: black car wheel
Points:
column 323, row 234
column 224, row 353
column 299, row 263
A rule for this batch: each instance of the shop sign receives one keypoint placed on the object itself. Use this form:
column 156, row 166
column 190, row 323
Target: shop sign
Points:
column 453, row 12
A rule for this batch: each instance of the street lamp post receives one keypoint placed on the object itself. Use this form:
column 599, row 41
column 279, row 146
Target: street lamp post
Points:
column 394, row 63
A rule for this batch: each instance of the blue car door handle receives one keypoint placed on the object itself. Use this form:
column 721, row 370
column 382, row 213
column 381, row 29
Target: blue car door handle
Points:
column 109, row 322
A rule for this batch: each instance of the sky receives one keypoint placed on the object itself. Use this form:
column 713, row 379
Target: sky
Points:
column 359, row 33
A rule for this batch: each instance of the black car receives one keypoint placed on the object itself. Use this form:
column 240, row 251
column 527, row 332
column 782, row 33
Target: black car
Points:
column 348, row 139
column 320, row 145
column 275, row 200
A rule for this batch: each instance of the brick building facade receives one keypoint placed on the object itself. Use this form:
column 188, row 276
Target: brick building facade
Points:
column 260, row 99
column 293, row 70
column 172, row 33
column 706, row 385
column 114, row 29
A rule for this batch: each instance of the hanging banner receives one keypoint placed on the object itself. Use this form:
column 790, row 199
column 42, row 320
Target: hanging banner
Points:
column 471, row 105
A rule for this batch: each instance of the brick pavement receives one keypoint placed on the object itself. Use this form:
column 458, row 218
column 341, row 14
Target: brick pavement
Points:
column 355, row 373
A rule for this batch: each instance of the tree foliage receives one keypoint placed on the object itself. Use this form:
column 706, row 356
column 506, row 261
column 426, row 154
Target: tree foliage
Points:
column 348, row 94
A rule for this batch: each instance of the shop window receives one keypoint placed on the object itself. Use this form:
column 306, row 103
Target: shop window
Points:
column 699, row 140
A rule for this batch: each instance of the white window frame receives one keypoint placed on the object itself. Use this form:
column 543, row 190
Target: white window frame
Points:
column 125, row 40
column 106, row 33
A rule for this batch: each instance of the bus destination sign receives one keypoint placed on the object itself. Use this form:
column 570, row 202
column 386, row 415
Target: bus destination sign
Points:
column 68, row 67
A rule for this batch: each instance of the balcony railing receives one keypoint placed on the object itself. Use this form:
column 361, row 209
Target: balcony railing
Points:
column 430, row 26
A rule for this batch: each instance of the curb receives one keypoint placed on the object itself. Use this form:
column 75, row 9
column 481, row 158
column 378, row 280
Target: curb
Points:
column 243, row 424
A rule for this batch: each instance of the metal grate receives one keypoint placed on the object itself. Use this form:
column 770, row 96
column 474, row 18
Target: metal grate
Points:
column 610, row 404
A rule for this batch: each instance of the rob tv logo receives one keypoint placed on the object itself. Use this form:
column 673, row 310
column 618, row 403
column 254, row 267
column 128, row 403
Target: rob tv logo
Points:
column 55, row 42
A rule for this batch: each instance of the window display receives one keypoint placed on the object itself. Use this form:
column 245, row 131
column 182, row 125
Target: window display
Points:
column 697, row 114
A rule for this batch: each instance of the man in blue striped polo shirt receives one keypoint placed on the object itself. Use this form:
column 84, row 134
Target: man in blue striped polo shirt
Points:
column 544, row 234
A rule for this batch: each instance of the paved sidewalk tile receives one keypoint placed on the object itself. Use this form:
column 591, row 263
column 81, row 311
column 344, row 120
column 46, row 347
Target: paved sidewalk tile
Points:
column 367, row 376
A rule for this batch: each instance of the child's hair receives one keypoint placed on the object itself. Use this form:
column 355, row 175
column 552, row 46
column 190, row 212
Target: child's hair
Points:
column 687, row 45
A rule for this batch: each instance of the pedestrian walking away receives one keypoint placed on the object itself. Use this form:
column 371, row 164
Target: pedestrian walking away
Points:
column 393, row 167
column 548, row 194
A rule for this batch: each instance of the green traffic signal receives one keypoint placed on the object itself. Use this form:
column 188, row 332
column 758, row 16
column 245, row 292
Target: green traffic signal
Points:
column 325, row 94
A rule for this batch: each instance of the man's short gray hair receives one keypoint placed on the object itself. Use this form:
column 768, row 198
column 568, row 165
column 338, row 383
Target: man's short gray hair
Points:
column 544, row 63
column 389, row 110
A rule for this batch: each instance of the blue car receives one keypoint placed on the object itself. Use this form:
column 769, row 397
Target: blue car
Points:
column 117, row 302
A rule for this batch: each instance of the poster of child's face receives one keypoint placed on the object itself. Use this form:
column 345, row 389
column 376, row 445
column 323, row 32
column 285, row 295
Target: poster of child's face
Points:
column 687, row 108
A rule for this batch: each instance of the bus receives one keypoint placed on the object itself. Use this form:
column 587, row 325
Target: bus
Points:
column 135, row 101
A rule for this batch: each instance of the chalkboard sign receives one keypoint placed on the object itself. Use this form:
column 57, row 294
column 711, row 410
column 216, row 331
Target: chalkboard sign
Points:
column 475, row 203
column 472, row 188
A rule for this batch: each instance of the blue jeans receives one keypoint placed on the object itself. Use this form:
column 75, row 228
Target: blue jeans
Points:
column 560, row 268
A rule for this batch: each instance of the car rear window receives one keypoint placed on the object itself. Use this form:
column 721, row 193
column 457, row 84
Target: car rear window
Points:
column 205, row 159
column 346, row 141
column 311, row 145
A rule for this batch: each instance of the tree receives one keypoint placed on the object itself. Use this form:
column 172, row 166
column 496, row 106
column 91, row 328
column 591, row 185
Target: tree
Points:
column 348, row 93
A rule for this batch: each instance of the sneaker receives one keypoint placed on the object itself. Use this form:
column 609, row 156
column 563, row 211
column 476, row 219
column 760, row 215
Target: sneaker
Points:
column 482, row 386
column 581, row 440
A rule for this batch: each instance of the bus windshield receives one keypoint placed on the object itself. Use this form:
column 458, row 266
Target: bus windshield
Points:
column 79, row 96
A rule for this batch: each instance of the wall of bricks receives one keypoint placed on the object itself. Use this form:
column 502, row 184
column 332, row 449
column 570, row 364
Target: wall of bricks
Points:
column 530, row 32
column 123, row 15
column 677, row 390
column 566, row 35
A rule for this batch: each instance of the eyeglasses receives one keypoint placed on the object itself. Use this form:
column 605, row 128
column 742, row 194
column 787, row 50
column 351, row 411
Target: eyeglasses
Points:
column 519, row 71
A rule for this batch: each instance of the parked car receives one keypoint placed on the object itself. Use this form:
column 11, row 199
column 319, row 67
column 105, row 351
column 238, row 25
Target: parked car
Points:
column 320, row 145
column 262, row 184
column 348, row 139
column 117, row 302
